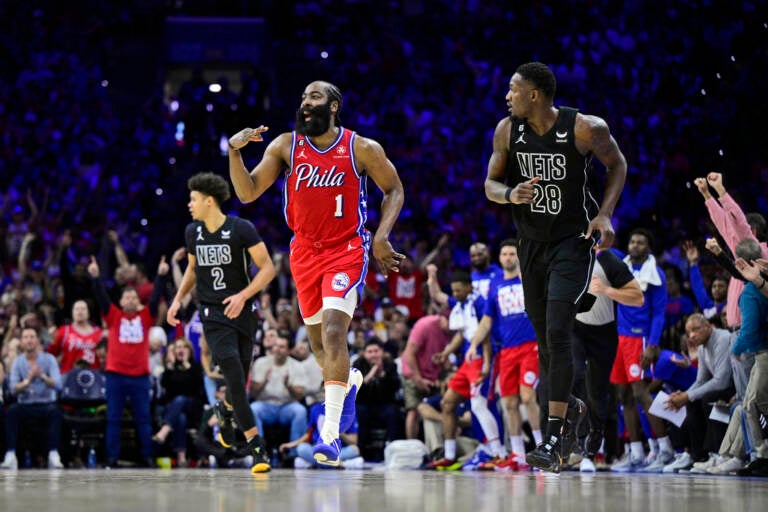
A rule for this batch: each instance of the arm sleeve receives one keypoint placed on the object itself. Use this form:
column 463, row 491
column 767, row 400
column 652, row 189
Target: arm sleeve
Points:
column 55, row 346
column 248, row 233
column 699, row 290
column 718, row 215
column 16, row 375
column 663, row 370
column 737, row 221
column 159, row 290
column 259, row 370
column 102, row 297
column 658, row 305
column 716, row 381
column 53, row 371
column 392, row 380
column 725, row 261
column 297, row 376
column 189, row 238
column 616, row 271
column 749, row 334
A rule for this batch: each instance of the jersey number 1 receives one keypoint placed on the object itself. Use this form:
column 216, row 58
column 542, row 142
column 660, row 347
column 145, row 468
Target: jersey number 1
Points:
column 339, row 206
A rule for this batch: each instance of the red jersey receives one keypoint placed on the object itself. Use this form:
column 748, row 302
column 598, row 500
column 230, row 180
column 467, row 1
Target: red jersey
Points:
column 405, row 290
column 73, row 346
column 128, row 342
column 324, row 198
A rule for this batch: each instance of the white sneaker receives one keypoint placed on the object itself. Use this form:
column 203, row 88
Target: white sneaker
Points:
column 702, row 467
column 627, row 464
column 727, row 466
column 10, row 461
column 355, row 463
column 587, row 466
column 300, row 463
column 658, row 462
column 54, row 461
column 682, row 461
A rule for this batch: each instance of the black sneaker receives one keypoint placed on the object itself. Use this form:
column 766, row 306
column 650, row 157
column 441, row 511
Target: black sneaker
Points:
column 227, row 430
column 546, row 456
column 593, row 442
column 574, row 417
column 758, row 467
column 258, row 450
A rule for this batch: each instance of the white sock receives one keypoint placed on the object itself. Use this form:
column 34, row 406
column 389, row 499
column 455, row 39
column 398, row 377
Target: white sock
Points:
column 537, row 437
column 517, row 444
column 665, row 445
column 653, row 444
column 637, row 450
column 497, row 448
column 334, row 403
column 450, row 449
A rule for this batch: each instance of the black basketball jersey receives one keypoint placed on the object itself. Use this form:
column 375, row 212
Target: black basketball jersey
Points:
column 562, row 204
column 221, row 257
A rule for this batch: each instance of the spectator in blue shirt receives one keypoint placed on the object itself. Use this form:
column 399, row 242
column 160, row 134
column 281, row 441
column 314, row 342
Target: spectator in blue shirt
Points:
column 753, row 339
column 639, row 327
column 34, row 379
column 710, row 306
column 666, row 370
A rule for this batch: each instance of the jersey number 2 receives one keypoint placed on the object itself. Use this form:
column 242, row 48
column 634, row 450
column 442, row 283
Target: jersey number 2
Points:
column 218, row 278
column 339, row 206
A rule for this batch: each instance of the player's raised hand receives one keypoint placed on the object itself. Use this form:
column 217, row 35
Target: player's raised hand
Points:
column 234, row 304
column 386, row 257
column 247, row 135
column 601, row 223
column 523, row 192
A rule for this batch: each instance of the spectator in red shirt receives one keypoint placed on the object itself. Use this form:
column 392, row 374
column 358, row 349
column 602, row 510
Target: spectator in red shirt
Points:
column 127, row 368
column 76, row 341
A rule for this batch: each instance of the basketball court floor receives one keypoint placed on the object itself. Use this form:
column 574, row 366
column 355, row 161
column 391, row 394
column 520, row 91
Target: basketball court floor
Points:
column 285, row 490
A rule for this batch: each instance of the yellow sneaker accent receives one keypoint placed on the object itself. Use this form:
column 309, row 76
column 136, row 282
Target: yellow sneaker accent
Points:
column 260, row 467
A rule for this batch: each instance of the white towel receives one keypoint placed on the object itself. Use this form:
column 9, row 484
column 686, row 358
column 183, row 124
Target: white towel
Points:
column 648, row 273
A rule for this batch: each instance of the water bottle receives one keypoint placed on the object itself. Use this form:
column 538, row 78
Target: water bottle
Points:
column 91, row 458
column 275, row 463
column 212, row 461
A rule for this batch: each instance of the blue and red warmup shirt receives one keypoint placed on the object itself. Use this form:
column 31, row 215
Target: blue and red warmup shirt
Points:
column 506, row 307
column 674, row 376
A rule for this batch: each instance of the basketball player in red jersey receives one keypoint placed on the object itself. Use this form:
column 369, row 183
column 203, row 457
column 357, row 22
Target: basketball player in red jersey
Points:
column 325, row 205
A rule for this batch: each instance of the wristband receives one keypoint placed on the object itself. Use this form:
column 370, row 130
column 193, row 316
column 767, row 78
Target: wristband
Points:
column 507, row 194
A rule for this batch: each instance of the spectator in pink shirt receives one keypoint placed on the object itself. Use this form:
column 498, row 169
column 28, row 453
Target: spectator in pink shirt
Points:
column 733, row 226
column 429, row 336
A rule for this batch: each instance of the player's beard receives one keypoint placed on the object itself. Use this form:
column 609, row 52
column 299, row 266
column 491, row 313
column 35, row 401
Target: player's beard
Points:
column 319, row 122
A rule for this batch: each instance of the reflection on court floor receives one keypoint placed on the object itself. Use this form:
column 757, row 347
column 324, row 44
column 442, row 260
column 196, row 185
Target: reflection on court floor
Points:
column 397, row 491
